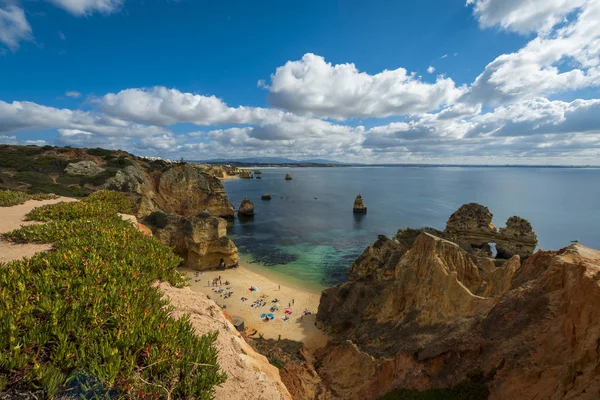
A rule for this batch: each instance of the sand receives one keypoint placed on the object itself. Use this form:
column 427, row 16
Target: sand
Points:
column 14, row 217
column 299, row 328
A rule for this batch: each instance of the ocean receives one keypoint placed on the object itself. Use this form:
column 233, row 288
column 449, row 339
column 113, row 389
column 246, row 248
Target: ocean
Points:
column 307, row 232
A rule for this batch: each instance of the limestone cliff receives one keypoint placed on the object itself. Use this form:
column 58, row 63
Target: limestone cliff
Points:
column 249, row 374
column 471, row 226
column 201, row 240
column 420, row 312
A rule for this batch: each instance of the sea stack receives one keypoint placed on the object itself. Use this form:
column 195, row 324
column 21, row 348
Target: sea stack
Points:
column 246, row 208
column 265, row 196
column 359, row 205
column 288, row 177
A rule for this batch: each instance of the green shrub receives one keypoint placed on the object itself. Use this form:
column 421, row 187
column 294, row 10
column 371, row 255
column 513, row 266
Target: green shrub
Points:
column 10, row 198
column 85, row 321
column 99, row 152
column 33, row 178
column 119, row 162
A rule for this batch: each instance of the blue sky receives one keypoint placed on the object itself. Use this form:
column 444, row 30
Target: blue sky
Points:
column 469, row 82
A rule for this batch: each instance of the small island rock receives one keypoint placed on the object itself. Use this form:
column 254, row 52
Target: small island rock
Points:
column 265, row 196
column 246, row 208
column 288, row 177
column 359, row 205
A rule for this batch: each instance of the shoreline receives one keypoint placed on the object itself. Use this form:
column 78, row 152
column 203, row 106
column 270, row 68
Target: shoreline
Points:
column 290, row 297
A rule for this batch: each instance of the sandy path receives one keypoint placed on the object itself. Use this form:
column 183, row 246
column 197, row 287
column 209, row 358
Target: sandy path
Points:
column 14, row 217
column 298, row 328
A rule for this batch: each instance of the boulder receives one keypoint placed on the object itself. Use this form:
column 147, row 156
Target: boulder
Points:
column 246, row 208
column 265, row 196
column 359, row 206
column 288, row 177
column 84, row 168
column 201, row 240
column 131, row 179
column 238, row 322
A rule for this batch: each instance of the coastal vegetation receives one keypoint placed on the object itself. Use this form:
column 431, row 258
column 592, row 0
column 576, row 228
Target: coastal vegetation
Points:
column 85, row 320
column 9, row 198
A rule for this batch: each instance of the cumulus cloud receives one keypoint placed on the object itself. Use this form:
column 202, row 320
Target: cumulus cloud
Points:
column 162, row 106
column 14, row 27
column 313, row 86
column 27, row 116
column 566, row 59
column 523, row 16
column 431, row 69
column 86, row 7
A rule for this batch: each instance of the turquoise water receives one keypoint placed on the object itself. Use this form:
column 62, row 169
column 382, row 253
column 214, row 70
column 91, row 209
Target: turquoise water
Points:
column 308, row 232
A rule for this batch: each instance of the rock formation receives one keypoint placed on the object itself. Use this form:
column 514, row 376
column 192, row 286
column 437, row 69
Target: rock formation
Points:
column 84, row 168
column 265, row 196
column 359, row 205
column 421, row 312
column 245, row 174
column 288, row 177
column 200, row 240
column 246, row 208
column 471, row 226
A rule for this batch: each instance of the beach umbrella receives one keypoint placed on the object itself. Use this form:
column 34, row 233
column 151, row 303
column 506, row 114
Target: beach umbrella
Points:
column 254, row 288
column 271, row 316
column 276, row 306
column 263, row 316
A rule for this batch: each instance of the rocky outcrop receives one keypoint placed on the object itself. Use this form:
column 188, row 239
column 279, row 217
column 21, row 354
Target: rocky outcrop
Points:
column 84, row 168
column 249, row 374
column 288, row 177
column 246, row 208
column 471, row 226
column 133, row 179
column 265, row 196
column 245, row 174
column 421, row 312
column 201, row 240
column 359, row 205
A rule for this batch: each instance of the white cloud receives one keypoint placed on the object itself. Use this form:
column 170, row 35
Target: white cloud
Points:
column 26, row 116
column 61, row 35
column 163, row 106
column 565, row 60
column 313, row 86
column 523, row 16
column 431, row 69
column 8, row 139
column 14, row 27
column 74, row 94
column 86, row 7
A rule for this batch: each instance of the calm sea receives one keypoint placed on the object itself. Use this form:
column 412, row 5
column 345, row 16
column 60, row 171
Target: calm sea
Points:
column 308, row 233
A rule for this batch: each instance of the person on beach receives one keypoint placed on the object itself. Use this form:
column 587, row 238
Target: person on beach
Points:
column 292, row 301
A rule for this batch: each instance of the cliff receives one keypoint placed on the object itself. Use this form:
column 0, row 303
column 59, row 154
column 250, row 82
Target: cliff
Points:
column 249, row 374
column 421, row 312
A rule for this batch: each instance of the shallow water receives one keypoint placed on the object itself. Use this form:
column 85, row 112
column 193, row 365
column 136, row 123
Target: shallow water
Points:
column 309, row 233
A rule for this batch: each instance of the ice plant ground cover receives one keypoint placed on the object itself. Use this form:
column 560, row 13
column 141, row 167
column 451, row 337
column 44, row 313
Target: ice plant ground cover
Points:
column 9, row 198
column 84, row 320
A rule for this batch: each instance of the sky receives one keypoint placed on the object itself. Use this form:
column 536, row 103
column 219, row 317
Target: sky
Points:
column 383, row 81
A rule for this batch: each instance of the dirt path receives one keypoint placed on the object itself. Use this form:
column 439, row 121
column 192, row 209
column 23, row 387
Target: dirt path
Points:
column 14, row 217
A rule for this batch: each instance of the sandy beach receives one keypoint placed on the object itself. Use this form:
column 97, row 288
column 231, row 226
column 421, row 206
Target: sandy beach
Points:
column 298, row 327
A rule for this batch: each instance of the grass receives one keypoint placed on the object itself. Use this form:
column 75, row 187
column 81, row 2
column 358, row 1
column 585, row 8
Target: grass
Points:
column 9, row 198
column 84, row 321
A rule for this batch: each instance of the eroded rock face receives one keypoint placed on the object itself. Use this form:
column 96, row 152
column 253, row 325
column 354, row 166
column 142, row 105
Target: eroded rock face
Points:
column 359, row 205
column 249, row 374
column 420, row 312
column 185, row 190
column 471, row 226
column 84, row 168
column 288, row 177
column 201, row 240
column 246, row 208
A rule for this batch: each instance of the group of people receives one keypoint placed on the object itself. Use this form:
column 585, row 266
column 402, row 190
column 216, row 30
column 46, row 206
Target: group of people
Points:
column 217, row 282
